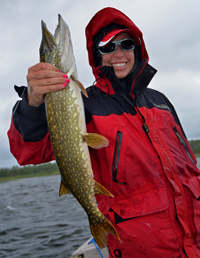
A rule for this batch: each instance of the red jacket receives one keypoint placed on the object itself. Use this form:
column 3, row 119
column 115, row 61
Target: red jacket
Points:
column 148, row 166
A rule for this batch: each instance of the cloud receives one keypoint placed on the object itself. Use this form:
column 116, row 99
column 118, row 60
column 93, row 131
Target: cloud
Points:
column 182, row 89
column 172, row 37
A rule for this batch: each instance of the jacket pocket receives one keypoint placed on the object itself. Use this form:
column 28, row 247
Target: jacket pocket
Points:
column 193, row 185
column 140, row 205
column 116, row 155
column 182, row 142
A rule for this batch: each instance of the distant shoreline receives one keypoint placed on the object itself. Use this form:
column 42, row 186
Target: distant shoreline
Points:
column 48, row 169
column 3, row 179
column 14, row 173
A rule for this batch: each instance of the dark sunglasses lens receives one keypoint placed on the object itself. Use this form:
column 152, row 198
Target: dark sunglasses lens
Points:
column 128, row 44
column 108, row 49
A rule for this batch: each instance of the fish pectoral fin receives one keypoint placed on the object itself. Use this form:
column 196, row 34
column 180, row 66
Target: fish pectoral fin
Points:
column 95, row 141
column 101, row 190
column 80, row 85
column 63, row 189
column 100, row 231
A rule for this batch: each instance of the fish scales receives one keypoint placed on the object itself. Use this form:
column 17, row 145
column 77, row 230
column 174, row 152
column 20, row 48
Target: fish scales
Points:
column 67, row 134
column 66, row 122
column 74, row 163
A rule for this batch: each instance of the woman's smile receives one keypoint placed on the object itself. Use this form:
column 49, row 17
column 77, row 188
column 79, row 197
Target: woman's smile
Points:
column 121, row 61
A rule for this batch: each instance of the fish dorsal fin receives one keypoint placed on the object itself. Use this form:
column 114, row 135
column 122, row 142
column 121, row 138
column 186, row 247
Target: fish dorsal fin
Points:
column 80, row 85
column 95, row 141
column 63, row 189
column 101, row 190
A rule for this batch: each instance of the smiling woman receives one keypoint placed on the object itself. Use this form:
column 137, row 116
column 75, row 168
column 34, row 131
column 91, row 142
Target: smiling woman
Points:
column 121, row 60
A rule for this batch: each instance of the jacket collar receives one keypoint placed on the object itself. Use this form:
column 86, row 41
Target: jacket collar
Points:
column 137, row 81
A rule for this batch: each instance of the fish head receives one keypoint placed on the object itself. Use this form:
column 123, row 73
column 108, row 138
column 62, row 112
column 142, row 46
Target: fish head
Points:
column 48, row 48
column 62, row 38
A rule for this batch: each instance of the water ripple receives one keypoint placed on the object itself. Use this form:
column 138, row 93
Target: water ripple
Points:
column 36, row 222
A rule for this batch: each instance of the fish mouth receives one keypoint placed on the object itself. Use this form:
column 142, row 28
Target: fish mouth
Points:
column 63, row 39
column 57, row 49
column 47, row 38
column 47, row 45
column 51, row 42
column 58, row 29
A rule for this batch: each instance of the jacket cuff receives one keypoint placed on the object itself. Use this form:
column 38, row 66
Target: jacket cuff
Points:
column 35, row 114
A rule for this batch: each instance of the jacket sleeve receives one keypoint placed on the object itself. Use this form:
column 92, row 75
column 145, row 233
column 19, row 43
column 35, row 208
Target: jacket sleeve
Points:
column 28, row 134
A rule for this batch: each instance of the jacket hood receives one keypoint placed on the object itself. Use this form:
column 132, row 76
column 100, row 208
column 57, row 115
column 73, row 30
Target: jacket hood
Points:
column 102, row 19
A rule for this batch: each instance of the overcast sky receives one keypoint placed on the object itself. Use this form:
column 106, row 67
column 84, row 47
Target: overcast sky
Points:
column 171, row 30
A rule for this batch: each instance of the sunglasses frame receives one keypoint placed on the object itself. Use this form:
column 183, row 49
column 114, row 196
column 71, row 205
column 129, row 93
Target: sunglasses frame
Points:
column 117, row 43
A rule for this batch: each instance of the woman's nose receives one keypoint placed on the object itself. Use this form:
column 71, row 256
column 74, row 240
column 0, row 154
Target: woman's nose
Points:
column 118, row 51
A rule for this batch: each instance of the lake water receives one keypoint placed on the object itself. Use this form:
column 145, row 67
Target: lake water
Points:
column 36, row 223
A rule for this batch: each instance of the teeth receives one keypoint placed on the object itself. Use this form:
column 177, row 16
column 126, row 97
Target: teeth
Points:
column 119, row 64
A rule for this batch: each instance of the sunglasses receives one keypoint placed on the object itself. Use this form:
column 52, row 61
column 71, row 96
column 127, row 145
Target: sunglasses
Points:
column 125, row 45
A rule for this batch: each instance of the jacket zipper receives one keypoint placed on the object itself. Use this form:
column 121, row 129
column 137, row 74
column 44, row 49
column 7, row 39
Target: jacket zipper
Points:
column 117, row 149
column 183, row 143
column 144, row 126
column 146, row 129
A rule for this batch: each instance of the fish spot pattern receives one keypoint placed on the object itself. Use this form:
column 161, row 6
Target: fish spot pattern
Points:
column 66, row 136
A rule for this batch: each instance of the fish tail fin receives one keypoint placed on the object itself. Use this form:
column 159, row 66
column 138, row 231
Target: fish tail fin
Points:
column 100, row 231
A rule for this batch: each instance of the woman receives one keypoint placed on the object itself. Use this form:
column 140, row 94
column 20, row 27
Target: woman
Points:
column 148, row 166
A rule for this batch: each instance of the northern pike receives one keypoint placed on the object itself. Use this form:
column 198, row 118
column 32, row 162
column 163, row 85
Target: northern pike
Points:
column 67, row 128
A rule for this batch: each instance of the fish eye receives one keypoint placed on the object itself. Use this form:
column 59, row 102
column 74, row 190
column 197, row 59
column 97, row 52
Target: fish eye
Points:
column 42, row 50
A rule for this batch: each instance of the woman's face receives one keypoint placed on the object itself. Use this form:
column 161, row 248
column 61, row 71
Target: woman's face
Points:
column 121, row 61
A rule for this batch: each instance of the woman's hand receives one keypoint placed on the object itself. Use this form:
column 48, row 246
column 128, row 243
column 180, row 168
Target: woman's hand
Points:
column 43, row 78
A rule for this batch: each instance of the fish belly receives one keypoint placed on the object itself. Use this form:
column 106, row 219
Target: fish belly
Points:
column 66, row 121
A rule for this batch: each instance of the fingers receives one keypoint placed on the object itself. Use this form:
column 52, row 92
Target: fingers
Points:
column 43, row 66
column 45, row 82
column 45, row 75
column 43, row 78
column 43, row 70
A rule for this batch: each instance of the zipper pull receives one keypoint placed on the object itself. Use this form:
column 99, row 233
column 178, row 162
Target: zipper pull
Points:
column 145, row 127
column 146, row 130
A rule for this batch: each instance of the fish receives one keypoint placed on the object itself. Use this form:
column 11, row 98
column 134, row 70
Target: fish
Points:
column 69, row 137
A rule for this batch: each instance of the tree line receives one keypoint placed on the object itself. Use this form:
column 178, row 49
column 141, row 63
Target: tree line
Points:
column 195, row 147
column 52, row 169
column 30, row 170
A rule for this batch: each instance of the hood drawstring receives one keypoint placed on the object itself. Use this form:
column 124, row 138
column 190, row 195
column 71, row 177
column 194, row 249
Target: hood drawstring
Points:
column 101, row 76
